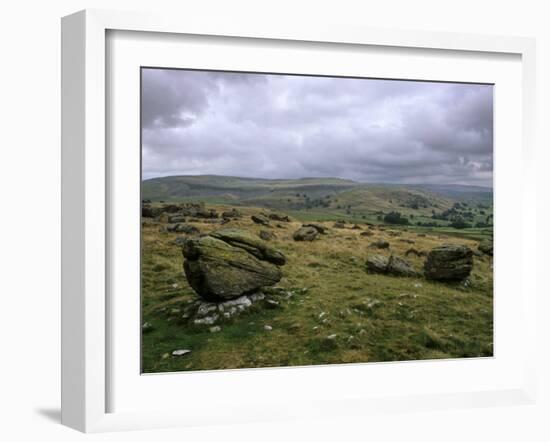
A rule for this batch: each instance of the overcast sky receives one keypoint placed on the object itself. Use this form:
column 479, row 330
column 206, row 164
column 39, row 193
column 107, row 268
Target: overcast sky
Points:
column 282, row 126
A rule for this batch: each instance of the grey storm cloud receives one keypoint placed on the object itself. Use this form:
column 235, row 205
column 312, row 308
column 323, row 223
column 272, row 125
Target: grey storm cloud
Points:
column 283, row 126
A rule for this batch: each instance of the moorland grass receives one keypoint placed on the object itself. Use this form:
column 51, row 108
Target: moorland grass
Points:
column 374, row 317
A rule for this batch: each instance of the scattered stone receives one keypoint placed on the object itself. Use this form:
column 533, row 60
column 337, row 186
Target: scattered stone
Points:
column 394, row 233
column 165, row 356
column 319, row 227
column 146, row 327
column 380, row 244
column 151, row 212
column 486, row 247
column 340, row 225
column 267, row 236
column 278, row 217
column 356, row 227
column 260, row 219
column 176, row 219
column 449, row 262
column 268, row 327
column 305, row 234
column 366, row 233
column 215, row 329
column 271, row 304
column 421, row 235
column 183, row 228
column 207, row 320
column 182, row 352
column 392, row 266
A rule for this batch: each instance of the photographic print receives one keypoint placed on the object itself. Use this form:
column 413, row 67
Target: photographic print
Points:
column 296, row 220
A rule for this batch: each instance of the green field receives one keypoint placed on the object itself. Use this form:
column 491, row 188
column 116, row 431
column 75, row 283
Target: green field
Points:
column 339, row 313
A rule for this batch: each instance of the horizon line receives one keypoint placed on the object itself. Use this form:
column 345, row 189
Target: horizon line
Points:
column 319, row 177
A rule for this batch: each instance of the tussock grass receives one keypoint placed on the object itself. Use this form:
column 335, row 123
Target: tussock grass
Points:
column 374, row 317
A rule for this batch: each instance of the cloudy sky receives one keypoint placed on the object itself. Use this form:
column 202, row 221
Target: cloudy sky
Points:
column 282, row 126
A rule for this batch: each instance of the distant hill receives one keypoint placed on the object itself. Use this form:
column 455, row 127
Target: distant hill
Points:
column 329, row 194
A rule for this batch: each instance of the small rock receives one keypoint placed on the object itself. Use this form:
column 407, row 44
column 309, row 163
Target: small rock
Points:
column 319, row 227
column 268, row 327
column 305, row 234
column 215, row 329
column 266, row 236
column 147, row 326
column 182, row 352
column 260, row 219
column 380, row 244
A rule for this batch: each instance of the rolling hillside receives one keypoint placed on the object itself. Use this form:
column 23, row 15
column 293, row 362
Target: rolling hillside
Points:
column 332, row 195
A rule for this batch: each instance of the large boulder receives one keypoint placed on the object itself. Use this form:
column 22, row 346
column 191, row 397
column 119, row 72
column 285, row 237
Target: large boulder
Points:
column 449, row 262
column 219, row 271
column 252, row 244
column 305, row 234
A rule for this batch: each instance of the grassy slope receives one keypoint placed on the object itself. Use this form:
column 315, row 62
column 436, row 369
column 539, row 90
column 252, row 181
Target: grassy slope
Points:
column 375, row 317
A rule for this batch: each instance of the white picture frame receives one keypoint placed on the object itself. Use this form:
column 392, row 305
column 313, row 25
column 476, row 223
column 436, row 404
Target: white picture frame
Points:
column 86, row 199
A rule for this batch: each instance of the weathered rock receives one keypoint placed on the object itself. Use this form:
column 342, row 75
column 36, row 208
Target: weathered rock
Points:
column 393, row 265
column 339, row 225
column 377, row 264
column 356, row 227
column 260, row 219
column 394, row 233
column 305, row 234
column 253, row 245
column 176, row 219
column 366, row 233
column 150, row 212
column 170, row 208
column 319, row 227
column 183, row 228
column 399, row 267
column 449, row 262
column 486, row 246
column 279, row 217
column 380, row 244
column 219, row 271
column 266, row 235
